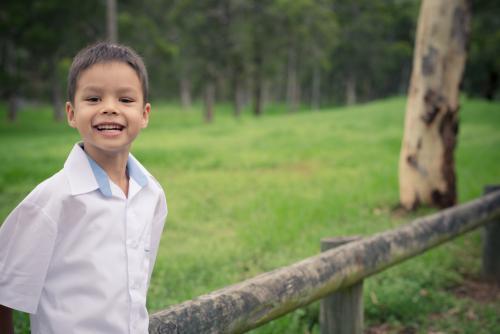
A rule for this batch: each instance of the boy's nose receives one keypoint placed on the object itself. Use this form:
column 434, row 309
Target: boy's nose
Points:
column 109, row 108
column 108, row 111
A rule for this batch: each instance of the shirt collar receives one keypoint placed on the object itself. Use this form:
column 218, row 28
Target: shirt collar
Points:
column 86, row 175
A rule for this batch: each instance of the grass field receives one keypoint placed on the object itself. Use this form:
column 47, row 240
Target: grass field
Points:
column 248, row 195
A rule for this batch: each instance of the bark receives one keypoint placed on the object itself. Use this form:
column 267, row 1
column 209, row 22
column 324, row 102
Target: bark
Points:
column 239, row 96
column 238, row 87
column 257, row 81
column 12, row 91
column 426, row 166
column 316, row 88
column 111, row 25
column 293, row 90
column 185, row 88
column 56, row 93
column 209, row 98
column 257, row 58
column 491, row 86
column 350, row 89
column 13, row 107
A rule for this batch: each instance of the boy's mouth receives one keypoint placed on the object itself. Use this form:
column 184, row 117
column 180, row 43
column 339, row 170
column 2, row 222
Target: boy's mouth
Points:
column 109, row 127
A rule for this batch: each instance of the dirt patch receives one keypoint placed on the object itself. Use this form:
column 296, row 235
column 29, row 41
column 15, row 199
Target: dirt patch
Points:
column 478, row 290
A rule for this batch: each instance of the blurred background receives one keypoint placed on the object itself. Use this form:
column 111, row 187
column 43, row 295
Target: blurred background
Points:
column 246, row 194
column 251, row 53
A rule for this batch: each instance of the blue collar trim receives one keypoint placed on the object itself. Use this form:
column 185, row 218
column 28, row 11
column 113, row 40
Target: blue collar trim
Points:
column 135, row 172
column 102, row 178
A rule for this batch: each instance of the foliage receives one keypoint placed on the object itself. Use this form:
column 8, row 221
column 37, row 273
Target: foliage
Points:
column 483, row 66
column 316, row 51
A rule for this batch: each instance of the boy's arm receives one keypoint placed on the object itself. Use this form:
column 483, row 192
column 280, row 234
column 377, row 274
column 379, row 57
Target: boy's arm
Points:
column 6, row 323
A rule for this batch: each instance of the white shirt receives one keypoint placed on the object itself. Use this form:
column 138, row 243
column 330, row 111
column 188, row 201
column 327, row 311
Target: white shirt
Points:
column 78, row 255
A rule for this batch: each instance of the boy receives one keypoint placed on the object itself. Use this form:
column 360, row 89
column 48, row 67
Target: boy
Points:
column 77, row 253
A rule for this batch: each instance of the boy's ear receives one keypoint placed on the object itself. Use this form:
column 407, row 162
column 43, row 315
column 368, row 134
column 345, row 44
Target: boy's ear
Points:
column 145, row 115
column 70, row 114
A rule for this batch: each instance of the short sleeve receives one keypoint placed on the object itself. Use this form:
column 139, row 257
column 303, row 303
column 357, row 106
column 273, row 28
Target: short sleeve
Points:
column 27, row 239
column 159, row 218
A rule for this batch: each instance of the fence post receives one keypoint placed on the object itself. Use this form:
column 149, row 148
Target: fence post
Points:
column 491, row 245
column 342, row 312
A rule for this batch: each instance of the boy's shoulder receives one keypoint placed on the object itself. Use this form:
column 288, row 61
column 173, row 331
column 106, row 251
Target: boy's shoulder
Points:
column 50, row 191
column 56, row 185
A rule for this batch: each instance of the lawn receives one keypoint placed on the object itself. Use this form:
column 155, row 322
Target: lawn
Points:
column 248, row 195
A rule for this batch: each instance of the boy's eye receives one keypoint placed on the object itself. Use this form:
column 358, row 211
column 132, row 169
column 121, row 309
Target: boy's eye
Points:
column 126, row 100
column 92, row 99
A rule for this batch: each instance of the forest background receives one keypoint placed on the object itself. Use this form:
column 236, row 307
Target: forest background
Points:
column 247, row 195
column 305, row 53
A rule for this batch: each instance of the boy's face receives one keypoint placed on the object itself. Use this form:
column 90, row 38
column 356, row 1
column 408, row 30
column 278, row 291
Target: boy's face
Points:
column 108, row 110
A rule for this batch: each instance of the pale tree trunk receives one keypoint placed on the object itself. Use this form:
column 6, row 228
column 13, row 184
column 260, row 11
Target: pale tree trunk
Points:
column 426, row 166
column 292, row 90
column 185, row 86
column 209, row 98
column 56, row 91
column 12, row 107
column 350, row 89
column 111, row 25
column 12, row 91
column 257, row 82
column 57, row 97
column 257, row 58
column 239, row 96
column 238, row 87
column 316, row 88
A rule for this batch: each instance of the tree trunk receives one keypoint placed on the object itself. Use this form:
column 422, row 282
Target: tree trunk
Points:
column 12, row 90
column 111, row 25
column 209, row 97
column 350, row 90
column 292, row 90
column 492, row 85
column 257, row 80
column 316, row 88
column 426, row 166
column 13, row 107
column 239, row 95
column 56, row 93
column 185, row 86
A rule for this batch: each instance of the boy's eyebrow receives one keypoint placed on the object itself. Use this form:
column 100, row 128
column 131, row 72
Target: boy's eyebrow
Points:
column 124, row 89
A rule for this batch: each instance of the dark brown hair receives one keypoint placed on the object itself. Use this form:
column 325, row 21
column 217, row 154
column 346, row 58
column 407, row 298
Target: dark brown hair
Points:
column 104, row 52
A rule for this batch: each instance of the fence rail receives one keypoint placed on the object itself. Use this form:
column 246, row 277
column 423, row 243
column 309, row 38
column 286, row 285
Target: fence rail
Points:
column 256, row 301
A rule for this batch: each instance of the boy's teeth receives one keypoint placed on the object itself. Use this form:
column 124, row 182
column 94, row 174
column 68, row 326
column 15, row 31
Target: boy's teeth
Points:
column 109, row 127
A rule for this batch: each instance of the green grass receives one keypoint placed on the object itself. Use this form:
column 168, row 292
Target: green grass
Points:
column 248, row 195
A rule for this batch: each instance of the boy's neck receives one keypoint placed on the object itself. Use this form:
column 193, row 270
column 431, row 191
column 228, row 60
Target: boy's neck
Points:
column 115, row 165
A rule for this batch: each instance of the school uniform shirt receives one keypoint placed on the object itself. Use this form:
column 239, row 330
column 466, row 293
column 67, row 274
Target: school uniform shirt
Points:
column 77, row 254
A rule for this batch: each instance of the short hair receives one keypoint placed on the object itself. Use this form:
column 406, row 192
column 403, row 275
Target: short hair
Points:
column 104, row 52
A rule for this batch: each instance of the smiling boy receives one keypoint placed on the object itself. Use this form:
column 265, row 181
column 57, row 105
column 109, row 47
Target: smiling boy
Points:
column 77, row 253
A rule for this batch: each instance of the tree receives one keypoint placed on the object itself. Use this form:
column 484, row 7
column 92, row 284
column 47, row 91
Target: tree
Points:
column 310, row 34
column 426, row 167
column 35, row 48
column 111, row 25
column 482, row 77
column 373, row 53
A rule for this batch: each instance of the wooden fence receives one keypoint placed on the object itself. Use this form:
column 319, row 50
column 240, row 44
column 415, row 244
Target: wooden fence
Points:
column 335, row 273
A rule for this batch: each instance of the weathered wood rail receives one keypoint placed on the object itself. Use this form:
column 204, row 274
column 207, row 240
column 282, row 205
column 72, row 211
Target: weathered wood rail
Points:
column 256, row 301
